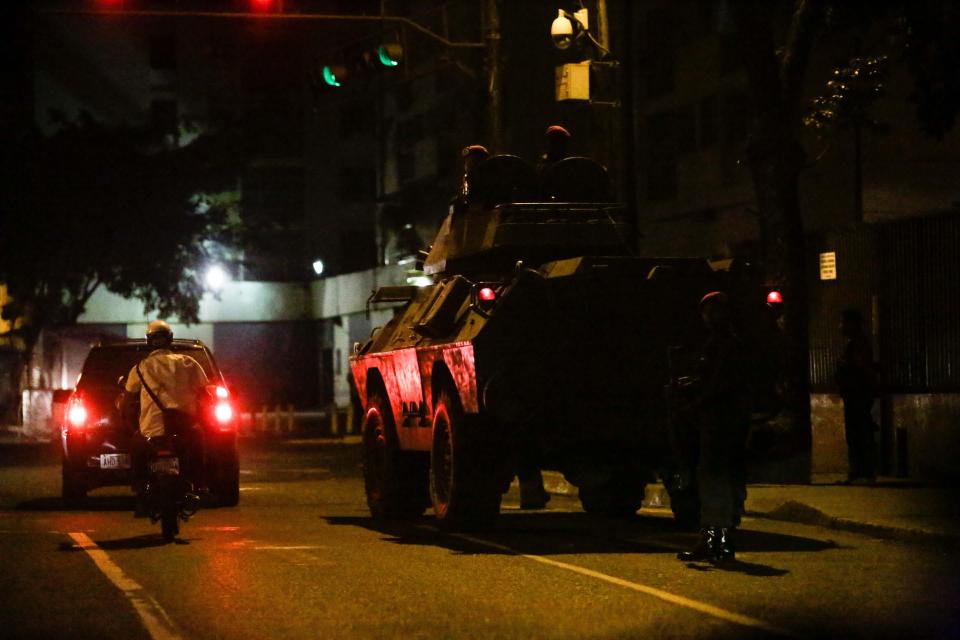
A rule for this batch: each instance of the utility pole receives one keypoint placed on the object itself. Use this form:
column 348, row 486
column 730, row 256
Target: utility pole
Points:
column 494, row 132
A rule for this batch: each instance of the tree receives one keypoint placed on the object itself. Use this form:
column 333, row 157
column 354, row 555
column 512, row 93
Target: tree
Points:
column 112, row 208
column 929, row 39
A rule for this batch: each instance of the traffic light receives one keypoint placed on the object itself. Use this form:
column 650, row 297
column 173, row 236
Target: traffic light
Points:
column 333, row 74
column 362, row 61
column 390, row 54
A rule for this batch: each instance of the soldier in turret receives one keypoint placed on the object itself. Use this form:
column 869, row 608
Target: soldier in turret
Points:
column 557, row 139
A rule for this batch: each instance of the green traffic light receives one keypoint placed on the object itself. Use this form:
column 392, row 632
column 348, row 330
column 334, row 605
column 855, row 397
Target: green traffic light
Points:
column 385, row 58
column 330, row 77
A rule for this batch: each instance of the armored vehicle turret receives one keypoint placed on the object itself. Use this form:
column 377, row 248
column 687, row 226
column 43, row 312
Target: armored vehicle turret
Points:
column 541, row 332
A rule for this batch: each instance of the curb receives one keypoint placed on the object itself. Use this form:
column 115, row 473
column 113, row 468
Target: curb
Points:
column 800, row 513
column 789, row 511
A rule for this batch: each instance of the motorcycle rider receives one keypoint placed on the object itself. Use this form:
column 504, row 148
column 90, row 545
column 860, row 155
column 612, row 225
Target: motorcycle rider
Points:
column 177, row 380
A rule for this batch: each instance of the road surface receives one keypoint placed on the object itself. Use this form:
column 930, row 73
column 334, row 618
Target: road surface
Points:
column 300, row 558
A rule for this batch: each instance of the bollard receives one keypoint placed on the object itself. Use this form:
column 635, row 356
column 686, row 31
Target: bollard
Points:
column 332, row 412
column 349, row 426
column 276, row 419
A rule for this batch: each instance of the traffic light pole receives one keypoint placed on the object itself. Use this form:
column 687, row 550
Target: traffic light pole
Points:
column 238, row 15
column 494, row 132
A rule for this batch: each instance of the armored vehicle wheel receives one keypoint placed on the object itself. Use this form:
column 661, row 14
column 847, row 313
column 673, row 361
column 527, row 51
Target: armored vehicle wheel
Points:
column 464, row 478
column 621, row 496
column 395, row 480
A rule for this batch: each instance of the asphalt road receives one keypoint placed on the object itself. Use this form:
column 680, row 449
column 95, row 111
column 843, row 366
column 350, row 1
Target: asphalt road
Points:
column 300, row 558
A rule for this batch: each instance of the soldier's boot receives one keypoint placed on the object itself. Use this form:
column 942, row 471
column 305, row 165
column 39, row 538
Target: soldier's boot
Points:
column 704, row 547
column 723, row 547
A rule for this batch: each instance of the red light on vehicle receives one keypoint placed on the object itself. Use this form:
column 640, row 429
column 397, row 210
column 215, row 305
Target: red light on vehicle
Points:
column 221, row 392
column 223, row 412
column 261, row 5
column 774, row 297
column 77, row 414
column 487, row 294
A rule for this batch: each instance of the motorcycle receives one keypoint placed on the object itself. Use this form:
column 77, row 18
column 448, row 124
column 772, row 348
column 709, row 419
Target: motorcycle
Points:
column 169, row 496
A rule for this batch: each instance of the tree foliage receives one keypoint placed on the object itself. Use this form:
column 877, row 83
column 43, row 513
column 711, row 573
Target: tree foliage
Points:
column 927, row 34
column 108, row 208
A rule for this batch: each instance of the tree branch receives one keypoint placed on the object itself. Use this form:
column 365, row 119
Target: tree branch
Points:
column 796, row 54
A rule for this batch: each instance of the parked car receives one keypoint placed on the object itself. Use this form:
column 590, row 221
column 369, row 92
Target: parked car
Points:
column 96, row 443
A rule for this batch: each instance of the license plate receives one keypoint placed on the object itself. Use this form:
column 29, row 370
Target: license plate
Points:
column 114, row 461
column 169, row 466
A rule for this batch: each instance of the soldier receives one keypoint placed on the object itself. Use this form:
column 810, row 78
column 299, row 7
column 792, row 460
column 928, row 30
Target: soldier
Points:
column 720, row 407
column 857, row 381
column 472, row 156
column 557, row 140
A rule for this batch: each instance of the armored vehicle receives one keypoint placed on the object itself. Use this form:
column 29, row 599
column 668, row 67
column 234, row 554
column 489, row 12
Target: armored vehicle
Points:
column 541, row 333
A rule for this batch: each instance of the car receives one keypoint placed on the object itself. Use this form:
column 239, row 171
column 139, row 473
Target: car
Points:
column 96, row 442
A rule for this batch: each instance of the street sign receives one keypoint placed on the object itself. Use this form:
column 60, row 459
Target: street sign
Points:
column 828, row 265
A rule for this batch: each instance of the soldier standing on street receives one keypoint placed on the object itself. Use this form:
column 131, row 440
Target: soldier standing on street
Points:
column 857, row 381
column 722, row 420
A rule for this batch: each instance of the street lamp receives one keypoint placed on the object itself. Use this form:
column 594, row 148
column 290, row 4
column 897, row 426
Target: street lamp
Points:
column 318, row 267
column 216, row 277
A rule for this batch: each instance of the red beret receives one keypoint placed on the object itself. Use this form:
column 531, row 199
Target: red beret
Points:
column 714, row 297
column 475, row 149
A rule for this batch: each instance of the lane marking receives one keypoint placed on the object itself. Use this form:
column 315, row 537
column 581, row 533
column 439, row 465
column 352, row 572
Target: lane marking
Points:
column 154, row 618
column 289, row 548
column 666, row 596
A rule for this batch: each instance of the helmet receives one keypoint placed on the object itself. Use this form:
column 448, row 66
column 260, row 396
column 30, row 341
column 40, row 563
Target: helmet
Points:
column 159, row 334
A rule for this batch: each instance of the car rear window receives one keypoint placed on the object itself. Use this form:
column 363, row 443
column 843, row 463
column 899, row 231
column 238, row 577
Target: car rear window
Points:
column 105, row 364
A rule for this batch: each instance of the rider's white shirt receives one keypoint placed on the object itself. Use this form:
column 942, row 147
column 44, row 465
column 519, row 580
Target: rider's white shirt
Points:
column 175, row 378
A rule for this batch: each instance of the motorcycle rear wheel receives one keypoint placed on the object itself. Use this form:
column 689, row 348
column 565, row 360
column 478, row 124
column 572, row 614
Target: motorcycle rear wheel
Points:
column 169, row 527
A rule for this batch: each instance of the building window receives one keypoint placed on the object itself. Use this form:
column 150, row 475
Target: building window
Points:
column 163, row 52
column 683, row 125
column 357, row 184
column 662, row 179
column 709, row 120
column 164, row 115
column 356, row 118
column 660, row 54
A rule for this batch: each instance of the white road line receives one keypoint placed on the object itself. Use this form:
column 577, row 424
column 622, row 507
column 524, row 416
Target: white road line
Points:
column 155, row 619
column 289, row 548
column 702, row 607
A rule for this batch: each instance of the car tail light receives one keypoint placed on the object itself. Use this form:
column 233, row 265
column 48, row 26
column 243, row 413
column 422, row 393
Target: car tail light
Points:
column 77, row 414
column 221, row 392
column 223, row 412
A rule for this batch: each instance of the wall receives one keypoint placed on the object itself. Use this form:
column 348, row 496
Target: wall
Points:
column 923, row 442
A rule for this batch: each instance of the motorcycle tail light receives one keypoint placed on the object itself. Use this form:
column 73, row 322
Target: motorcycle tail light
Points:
column 77, row 414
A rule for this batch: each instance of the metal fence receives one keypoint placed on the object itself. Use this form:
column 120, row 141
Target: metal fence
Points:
column 904, row 277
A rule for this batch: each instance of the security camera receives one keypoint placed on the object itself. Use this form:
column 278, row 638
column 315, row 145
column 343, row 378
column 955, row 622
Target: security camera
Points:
column 568, row 27
column 562, row 31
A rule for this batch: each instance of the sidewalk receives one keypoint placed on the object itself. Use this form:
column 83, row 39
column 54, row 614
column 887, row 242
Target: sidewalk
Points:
column 893, row 508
